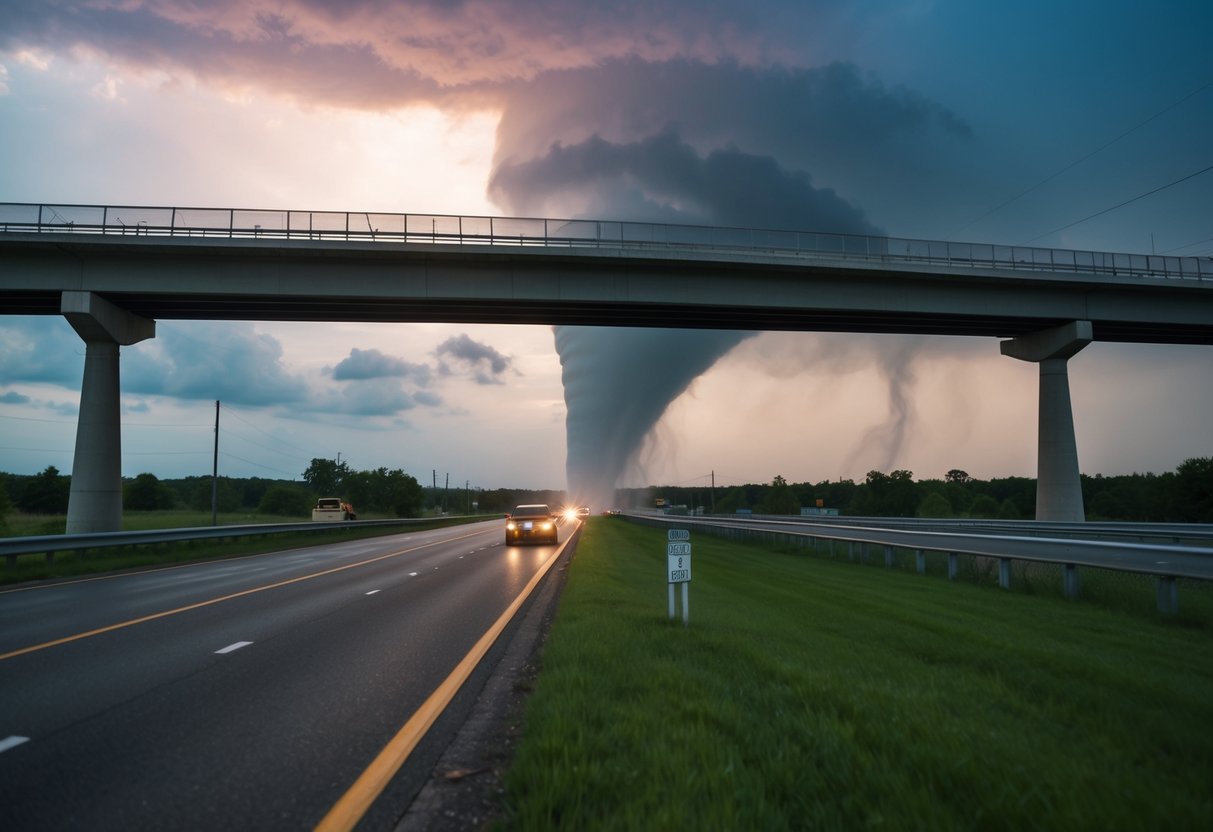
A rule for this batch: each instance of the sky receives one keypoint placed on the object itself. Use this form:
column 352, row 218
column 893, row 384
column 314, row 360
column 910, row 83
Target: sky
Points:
column 1072, row 125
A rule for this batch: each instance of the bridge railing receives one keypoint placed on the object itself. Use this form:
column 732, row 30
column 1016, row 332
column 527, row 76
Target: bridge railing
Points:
column 448, row 229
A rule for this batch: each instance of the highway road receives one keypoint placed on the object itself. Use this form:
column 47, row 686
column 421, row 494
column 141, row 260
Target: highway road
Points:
column 241, row 694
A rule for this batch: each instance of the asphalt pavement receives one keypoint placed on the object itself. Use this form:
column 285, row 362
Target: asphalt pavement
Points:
column 247, row 693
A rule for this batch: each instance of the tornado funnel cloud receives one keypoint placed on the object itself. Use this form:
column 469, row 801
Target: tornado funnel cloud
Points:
column 618, row 381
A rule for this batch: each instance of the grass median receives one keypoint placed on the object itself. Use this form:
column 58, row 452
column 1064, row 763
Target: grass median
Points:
column 810, row 693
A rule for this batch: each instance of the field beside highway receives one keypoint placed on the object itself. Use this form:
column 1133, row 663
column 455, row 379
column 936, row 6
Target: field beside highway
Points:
column 812, row 693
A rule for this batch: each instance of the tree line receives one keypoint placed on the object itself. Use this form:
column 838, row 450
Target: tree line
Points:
column 380, row 491
column 1181, row 496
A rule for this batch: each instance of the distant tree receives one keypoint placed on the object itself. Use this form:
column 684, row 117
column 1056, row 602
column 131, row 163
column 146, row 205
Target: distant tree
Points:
column 780, row 498
column 286, row 501
column 957, row 475
column 934, row 505
column 1009, row 511
column 227, row 492
column 408, row 497
column 146, row 493
column 984, row 506
column 1193, row 495
column 326, row 477
column 365, row 489
column 6, row 505
column 45, row 493
column 1105, row 506
column 732, row 500
column 888, row 495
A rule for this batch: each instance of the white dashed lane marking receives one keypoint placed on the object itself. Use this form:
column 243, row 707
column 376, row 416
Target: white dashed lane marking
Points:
column 372, row 592
column 231, row 648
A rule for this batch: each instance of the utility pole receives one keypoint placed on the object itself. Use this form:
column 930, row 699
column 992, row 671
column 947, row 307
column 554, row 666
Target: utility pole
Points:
column 215, row 472
column 713, row 498
column 446, row 491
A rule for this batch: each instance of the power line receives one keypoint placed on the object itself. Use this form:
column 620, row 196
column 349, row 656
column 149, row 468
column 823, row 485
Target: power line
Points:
column 31, row 419
column 1120, row 205
column 38, row 450
column 1189, row 245
column 236, row 413
column 1078, row 162
column 258, row 464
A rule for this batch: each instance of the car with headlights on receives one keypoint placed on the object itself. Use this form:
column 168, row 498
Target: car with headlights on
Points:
column 532, row 523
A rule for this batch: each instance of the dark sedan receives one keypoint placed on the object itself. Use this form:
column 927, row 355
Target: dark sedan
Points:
column 530, row 524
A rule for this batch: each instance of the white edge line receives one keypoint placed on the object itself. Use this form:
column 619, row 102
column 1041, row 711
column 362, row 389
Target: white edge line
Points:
column 233, row 647
column 372, row 592
column 11, row 742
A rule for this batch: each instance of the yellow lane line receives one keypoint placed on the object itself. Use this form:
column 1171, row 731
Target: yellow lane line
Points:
column 164, row 614
column 350, row 808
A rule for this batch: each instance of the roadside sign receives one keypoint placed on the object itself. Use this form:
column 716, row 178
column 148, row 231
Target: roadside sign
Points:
column 678, row 559
column 678, row 568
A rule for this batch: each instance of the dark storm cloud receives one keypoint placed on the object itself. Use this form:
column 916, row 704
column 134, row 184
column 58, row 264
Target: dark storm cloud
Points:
column 485, row 363
column 721, row 75
column 372, row 364
column 798, row 114
column 13, row 397
column 665, row 176
column 371, row 54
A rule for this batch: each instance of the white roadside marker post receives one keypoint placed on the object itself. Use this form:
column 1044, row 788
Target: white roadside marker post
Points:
column 678, row 569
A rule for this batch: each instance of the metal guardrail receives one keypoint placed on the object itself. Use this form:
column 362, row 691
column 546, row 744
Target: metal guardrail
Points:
column 12, row 547
column 137, row 221
column 1186, row 534
column 1165, row 563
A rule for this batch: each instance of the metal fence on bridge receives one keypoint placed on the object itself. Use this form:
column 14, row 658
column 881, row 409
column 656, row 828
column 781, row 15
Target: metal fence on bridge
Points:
column 374, row 227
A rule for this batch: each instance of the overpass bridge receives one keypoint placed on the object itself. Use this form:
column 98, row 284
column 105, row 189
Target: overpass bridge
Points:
column 113, row 270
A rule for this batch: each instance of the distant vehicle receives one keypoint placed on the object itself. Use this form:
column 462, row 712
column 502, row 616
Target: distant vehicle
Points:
column 660, row 502
column 583, row 511
column 532, row 523
column 333, row 509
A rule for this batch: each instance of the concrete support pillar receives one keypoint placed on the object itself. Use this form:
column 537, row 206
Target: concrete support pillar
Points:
column 1058, row 485
column 95, row 501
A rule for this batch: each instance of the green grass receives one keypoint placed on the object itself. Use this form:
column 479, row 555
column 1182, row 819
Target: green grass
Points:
column 69, row 564
column 810, row 693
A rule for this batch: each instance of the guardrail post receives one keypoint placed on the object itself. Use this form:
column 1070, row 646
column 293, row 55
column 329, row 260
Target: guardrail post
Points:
column 1004, row 573
column 920, row 561
column 888, row 557
column 1069, row 581
column 1168, row 595
column 952, row 566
